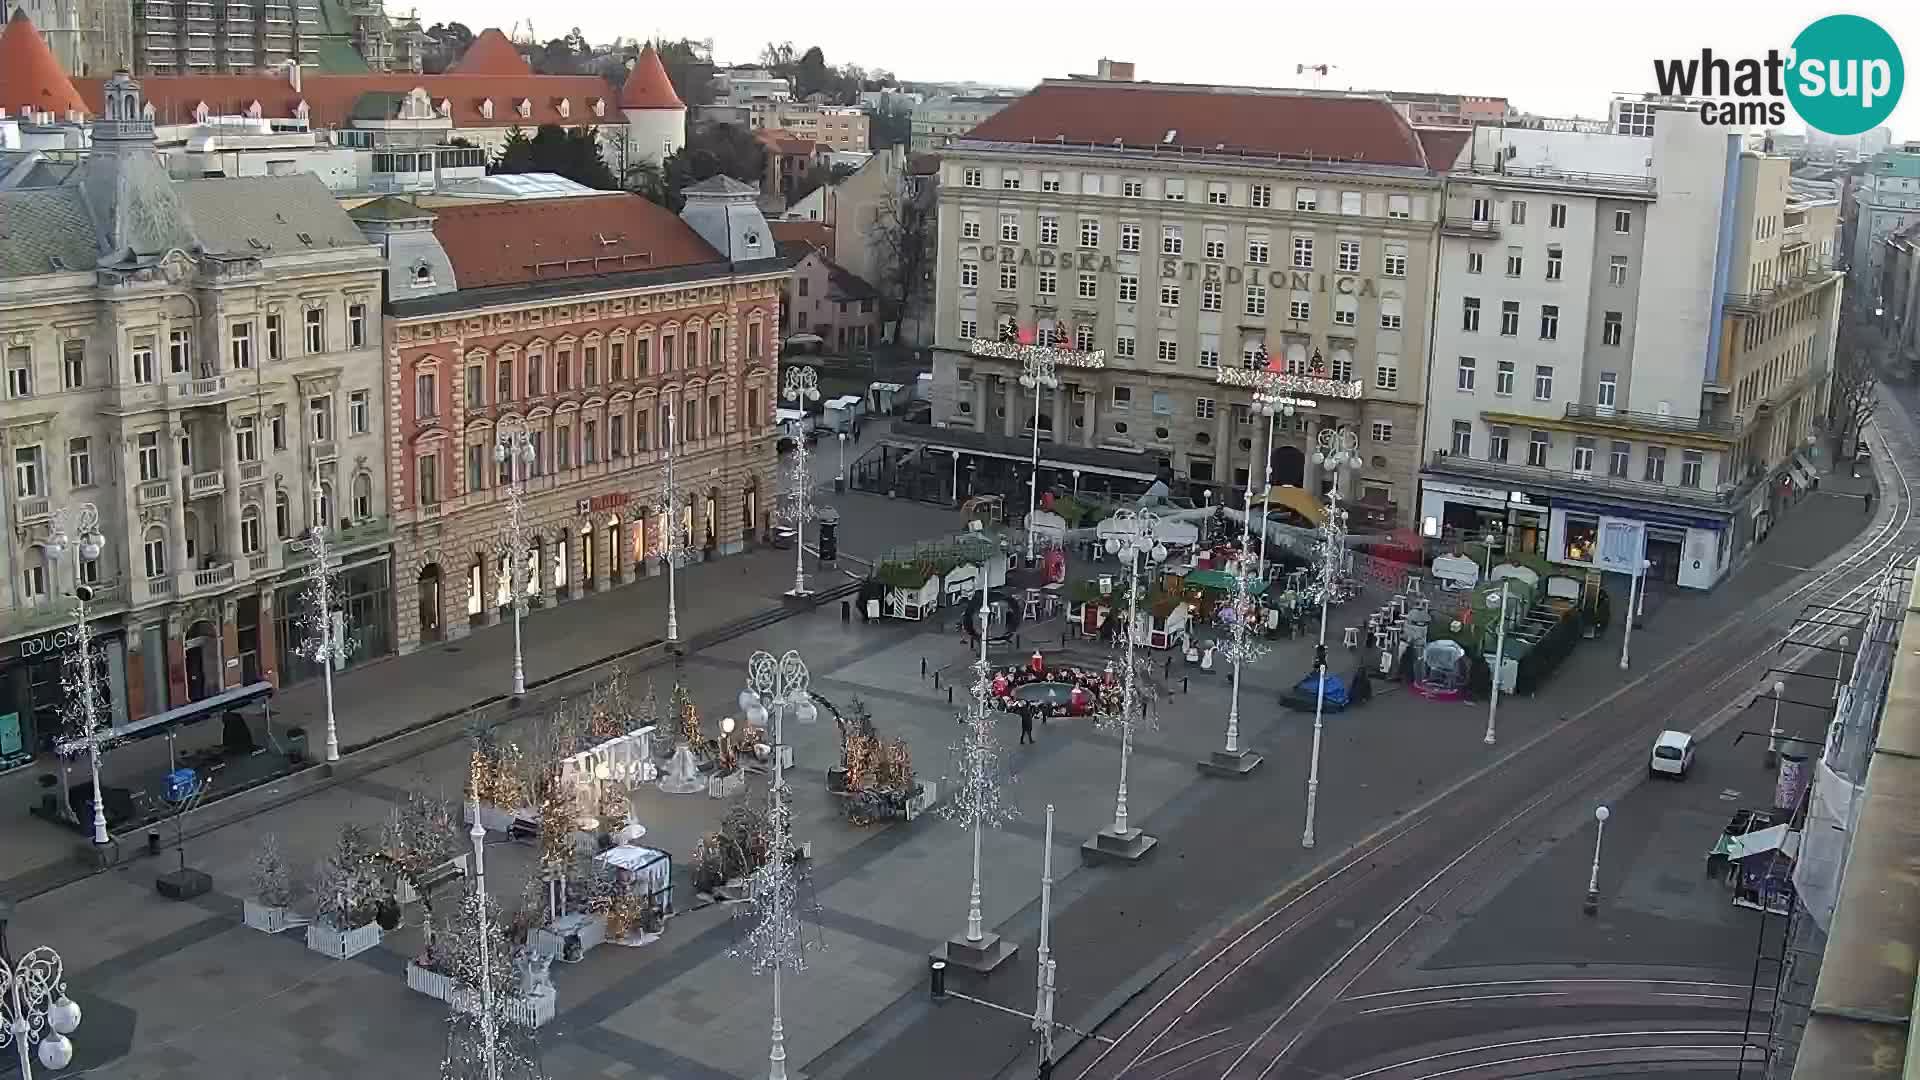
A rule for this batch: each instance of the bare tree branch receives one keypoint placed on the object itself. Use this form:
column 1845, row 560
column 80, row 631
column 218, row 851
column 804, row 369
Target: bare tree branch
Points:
column 901, row 239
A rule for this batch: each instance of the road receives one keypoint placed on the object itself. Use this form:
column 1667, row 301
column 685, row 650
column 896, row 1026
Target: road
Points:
column 1316, row 982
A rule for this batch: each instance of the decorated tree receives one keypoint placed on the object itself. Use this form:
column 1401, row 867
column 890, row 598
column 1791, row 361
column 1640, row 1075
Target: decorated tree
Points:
column 485, row 1038
column 272, row 885
column 687, row 717
column 422, row 834
column 348, row 884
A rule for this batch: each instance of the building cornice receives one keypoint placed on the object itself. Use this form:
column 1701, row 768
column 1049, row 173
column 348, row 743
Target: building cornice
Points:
column 1188, row 160
column 502, row 298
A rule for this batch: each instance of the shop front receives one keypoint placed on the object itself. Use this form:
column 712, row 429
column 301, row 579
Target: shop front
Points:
column 1685, row 550
column 33, row 687
column 363, row 617
column 1517, row 520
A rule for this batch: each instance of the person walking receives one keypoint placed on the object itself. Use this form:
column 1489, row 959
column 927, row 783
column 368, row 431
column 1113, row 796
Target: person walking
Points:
column 1869, row 500
column 1026, row 726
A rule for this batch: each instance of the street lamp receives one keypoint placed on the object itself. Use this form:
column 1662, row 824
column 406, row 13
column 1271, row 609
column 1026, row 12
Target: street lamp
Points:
column 489, row 1052
column 802, row 385
column 1243, row 647
column 1339, row 448
column 775, row 686
column 1037, row 373
column 840, row 478
column 1134, row 538
column 513, row 447
column 77, row 528
column 673, row 546
column 1499, row 662
column 1773, row 729
column 35, row 1003
column 1274, row 408
column 1486, row 551
column 1635, row 584
column 323, row 643
column 1592, row 905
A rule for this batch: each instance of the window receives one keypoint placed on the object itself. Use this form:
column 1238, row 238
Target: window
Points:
column 1089, row 232
column 147, row 450
column 282, row 515
column 1483, row 210
column 1497, row 439
column 969, row 229
column 250, row 531
column 1257, row 248
column 1510, row 318
column 1399, row 206
column 1542, row 382
column 666, row 357
column 427, row 480
column 969, row 276
column 1306, row 199
column 1382, row 431
column 1303, row 252
column 1123, row 397
column 1300, row 305
column 1514, row 262
column 1050, row 181
column 1549, row 322
column 1393, row 262
column 1203, row 408
column 1553, row 264
column 1049, row 229
column 1129, row 288
column 19, row 372
column 537, row 367
column 362, row 496
column 1476, row 261
column 1583, row 454
column 186, row 452
column 1129, row 237
column 1210, row 293
column 1462, row 438
column 503, row 388
column 179, row 351
column 1517, row 211
column 1175, row 190
column 1350, row 203
column 273, row 336
column 277, row 427
column 1259, row 196
column 717, row 345
column 73, row 365
column 1009, row 276
column 426, row 404
column 1348, row 259
column 1089, row 287
column 320, row 418
column 356, row 326
column 1656, row 467
column 1623, row 221
column 1209, row 352
column 1049, row 282
column 1557, row 216
column 476, row 386
column 26, row 472
column 155, row 550
column 80, row 462
column 1465, row 376
column 1133, row 189
column 563, row 447
column 1010, row 180
column 246, row 445
column 1386, row 371
column 1169, row 296
column 1216, row 194
column 1692, row 462
column 1083, row 337
column 1256, row 299
column 971, row 178
column 1346, row 309
column 1617, row 270
column 1009, row 228
column 1610, row 329
column 1162, row 404
column 1170, row 240
column 1123, row 345
column 316, row 328
column 1538, row 443
column 1470, row 313
column 1503, row 373
column 1609, row 386
column 1390, row 312
column 1216, row 250
column 142, row 359
column 617, row 435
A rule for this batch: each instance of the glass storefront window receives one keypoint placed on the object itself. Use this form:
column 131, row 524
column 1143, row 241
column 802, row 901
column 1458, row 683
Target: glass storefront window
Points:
column 1582, row 534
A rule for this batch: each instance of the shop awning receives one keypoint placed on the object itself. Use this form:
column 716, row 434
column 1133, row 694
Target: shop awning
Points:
column 1220, row 580
column 1763, row 841
column 192, row 713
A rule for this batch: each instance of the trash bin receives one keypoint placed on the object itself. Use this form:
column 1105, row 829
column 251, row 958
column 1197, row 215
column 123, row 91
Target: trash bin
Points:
column 297, row 745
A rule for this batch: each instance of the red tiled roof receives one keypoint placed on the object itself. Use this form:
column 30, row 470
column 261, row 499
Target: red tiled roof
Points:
column 815, row 234
column 508, row 243
column 647, row 85
column 1443, row 145
column 330, row 98
column 1205, row 117
column 780, row 142
column 490, row 54
column 30, row 77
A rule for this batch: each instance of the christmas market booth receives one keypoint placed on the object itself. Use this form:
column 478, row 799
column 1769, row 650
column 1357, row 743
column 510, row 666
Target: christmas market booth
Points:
column 1097, row 609
column 915, row 581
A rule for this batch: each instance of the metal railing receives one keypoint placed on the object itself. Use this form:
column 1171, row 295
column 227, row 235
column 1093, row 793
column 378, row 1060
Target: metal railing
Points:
column 32, row 508
column 206, row 483
column 1646, row 421
column 1549, row 174
column 1716, row 497
column 1469, row 226
column 1812, row 275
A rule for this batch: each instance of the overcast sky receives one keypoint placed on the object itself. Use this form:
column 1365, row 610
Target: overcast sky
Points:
column 1553, row 58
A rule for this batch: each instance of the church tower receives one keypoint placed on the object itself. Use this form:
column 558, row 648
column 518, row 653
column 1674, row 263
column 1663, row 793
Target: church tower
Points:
column 656, row 117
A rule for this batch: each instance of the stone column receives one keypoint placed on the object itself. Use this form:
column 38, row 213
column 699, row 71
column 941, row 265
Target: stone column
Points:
column 230, row 645
column 269, row 636
column 549, row 551
column 230, row 503
column 1223, row 490
column 177, row 505
column 1087, row 416
column 1061, row 437
column 131, row 546
column 577, row 559
column 605, row 555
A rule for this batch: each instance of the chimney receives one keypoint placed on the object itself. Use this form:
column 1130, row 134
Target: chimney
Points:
column 293, row 75
column 1116, row 70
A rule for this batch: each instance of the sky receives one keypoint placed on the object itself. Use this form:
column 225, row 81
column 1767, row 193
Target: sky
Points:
column 1552, row 58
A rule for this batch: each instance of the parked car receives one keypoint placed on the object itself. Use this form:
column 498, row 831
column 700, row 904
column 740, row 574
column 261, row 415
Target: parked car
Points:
column 1672, row 755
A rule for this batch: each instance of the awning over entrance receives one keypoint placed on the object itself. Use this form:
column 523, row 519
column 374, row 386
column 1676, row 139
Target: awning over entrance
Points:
column 1298, row 501
column 192, row 713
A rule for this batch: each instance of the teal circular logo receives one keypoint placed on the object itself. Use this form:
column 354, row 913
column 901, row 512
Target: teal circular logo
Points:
column 1846, row 75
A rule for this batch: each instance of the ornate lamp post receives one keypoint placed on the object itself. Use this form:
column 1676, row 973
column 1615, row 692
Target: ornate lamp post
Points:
column 1036, row 374
column 673, row 546
column 1592, row 903
column 1338, row 449
column 1499, row 662
column 978, row 803
column 323, row 644
column 1243, row 647
column 1634, row 584
column 513, row 447
column 34, row 1002
column 1133, row 538
column 802, row 385
column 489, row 1037
column 77, row 529
column 777, row 685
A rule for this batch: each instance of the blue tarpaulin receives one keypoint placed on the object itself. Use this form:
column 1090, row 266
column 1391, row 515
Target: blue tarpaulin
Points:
column 1306, row 693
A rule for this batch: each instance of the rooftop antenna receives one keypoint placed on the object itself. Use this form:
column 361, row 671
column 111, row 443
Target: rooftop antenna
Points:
column 1318, row 71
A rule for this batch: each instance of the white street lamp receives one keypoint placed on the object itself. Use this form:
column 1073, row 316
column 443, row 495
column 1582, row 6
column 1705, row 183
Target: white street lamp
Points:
column 840, row 478
column 978, row 802
column 1486, row 555
column 1274, row 408
column 1339, row 448
column 489, row 1038
column 1037, row 373
column 34, row 1002
column 1600, row 815
column 1243, row 647
column 1133, row 537
column 513, row 447
column 802, row 385
column 1499, row 662
column 1635, row 586
column 324, row 643
column 673, row 545
column 775, row 686
column 1773, row 729
column 1045, row 970
column 77, row 528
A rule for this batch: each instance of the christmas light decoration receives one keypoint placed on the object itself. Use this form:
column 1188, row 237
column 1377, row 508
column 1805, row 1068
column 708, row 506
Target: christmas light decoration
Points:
column 978, row 800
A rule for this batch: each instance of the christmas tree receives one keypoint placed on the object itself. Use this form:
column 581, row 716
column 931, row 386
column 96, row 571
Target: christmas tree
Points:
column 485, row 1043
column 687, row 717
column 347, row 886
column 272, row 887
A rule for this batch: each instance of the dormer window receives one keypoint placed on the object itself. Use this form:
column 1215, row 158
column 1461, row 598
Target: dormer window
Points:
column 524, row 107
column 201, row 112
column 300, row 110
column 422, row 275
column 444, row 107
column 486, row 108
column 599, row 106
column 253, row 111
column 564, row 108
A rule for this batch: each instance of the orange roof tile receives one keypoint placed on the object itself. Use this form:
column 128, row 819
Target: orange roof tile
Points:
column 491, row 54
column 647, row 85
column 511, row 243
column 330, row 98
column 1239, row 120
column 815, row 234
column 30, row 78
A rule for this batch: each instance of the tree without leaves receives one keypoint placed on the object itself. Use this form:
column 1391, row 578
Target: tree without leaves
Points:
column 1856, row 377
column 901, row 239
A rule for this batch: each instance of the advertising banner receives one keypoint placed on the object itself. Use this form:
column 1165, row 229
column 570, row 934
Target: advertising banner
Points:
column 1623, row 544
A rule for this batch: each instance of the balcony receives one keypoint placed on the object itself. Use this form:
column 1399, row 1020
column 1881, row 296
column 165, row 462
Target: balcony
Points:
column 250, row 472
column 1472, row 228
column 203, row 484
column 1546, row 176
column 153, row 492
column 1719, row 497
column 160, row 586
column 323, row 451
column 32, row 508
column 1656, row 423
column 213, row 577
column 1814, row 275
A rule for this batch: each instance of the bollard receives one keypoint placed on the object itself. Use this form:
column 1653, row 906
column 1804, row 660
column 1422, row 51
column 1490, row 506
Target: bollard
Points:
column 949, row 695
column 153, row 843
column 1183, row 684
column 846, row 611
column 923, row 667
column 938, row 969
column 936, row 680
column 1168, row 673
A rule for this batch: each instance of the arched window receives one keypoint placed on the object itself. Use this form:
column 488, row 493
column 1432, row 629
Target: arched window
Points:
column 250, row 530
column 155, row 550
column 362, row 496
column 282, row 515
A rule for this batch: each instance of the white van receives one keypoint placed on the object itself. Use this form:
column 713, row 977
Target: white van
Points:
column 1672, row 755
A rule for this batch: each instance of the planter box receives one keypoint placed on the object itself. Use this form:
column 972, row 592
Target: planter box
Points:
column 929, row 793
column 721, row 787
column 267, row 918
column 342, row 944
column 552, row 938
column 530, row 1012
column 431, row 983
